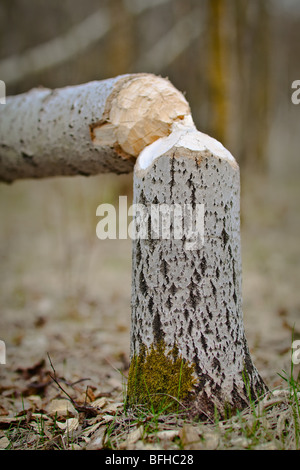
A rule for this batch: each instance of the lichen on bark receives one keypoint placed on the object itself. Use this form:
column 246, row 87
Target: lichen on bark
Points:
column 160, row 379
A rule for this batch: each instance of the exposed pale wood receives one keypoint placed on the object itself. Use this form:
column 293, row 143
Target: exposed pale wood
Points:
column 140, row 113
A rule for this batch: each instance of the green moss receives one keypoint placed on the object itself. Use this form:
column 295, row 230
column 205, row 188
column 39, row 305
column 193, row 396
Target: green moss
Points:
column 159, row 379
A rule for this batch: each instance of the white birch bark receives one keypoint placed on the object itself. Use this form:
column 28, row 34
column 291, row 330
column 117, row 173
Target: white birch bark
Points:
column 87, row 129
column 189, row 295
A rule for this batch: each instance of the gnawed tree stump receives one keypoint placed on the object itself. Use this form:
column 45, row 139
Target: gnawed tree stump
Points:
column 188, row 345
column 186, row 297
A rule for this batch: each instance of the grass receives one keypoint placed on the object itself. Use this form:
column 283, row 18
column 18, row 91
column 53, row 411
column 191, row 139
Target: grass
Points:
column 294, row 395
column 272, row 422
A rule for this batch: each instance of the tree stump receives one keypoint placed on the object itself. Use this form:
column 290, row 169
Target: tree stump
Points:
column 187, row 323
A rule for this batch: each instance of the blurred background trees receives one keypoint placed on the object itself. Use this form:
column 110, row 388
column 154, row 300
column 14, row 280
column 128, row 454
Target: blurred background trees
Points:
column 235, row 59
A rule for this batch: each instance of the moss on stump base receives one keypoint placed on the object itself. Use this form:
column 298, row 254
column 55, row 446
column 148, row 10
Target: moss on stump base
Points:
column 159, row 379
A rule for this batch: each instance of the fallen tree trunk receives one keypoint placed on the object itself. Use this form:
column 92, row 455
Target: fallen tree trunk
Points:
column 188, row 345
column 87, row 129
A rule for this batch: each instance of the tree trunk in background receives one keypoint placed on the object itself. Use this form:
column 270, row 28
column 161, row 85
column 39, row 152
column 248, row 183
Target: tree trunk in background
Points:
column 218, row 68
column 241, row 79
column 253, row 82
column 120, row 53
column 259, row 88
column 188, row 342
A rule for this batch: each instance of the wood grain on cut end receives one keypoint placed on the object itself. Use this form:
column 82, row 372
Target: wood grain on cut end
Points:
column 143, row 109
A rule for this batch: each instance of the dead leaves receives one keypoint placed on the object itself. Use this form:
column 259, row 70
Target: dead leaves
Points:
column 61, row 408
column 33, row 380
column 132, row 438
column 190, row 437
column 52, row 413
column 72, row 415
column 4, row 442
column 66, row 423
column 48, row 412
column 59, row 425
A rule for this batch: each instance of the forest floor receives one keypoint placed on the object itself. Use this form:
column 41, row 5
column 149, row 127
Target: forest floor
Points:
column 65, row 320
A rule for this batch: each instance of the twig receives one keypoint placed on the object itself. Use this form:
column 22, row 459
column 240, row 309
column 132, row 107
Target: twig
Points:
column 80, row 408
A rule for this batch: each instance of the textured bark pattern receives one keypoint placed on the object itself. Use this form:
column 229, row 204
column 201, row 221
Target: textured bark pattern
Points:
column 192, row 298
column 47, row 133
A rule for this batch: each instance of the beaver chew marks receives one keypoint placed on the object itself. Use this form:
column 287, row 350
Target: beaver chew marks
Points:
column 141, row 112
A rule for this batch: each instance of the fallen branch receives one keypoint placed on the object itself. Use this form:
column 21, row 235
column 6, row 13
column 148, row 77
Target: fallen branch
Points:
column 97, row 127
